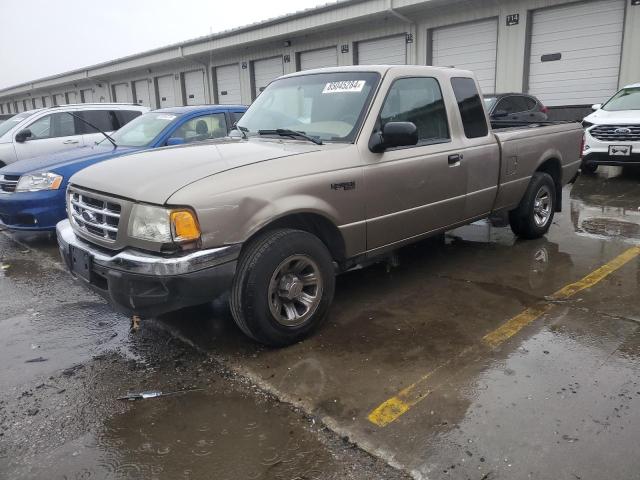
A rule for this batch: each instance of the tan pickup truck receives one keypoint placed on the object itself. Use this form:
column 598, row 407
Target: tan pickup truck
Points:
column 328, row 170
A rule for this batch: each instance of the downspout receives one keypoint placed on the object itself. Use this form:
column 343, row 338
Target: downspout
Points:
column 408, row 21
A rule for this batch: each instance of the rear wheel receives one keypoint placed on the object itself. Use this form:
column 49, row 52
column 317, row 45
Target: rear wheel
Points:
column 283, row 287
column 534, row 215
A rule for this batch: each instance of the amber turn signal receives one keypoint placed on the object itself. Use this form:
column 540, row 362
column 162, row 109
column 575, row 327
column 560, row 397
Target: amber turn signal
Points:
column 185, row 226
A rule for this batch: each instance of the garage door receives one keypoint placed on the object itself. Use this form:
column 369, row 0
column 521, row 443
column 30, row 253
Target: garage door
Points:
column 86, row 95
column 264, row 72
column 194, row 87
column 575, row 52
column 38, row 102
column 58, row 99
column 143, row 92
column 471, row 46
column 166, row 91
column 72, row 97
column 383, row 51
column 121, row 93
column 228, row 84
column 326, row 57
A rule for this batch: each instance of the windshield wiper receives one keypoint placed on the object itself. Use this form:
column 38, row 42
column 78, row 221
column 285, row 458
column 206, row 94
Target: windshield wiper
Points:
column 113, row 142
column 285, row 132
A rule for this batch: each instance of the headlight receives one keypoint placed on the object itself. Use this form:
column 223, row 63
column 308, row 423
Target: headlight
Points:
column 157, row 224
column 39, row 181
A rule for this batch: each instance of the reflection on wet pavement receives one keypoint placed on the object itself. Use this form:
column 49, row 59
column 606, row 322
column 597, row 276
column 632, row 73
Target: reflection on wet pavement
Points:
column 560, row 399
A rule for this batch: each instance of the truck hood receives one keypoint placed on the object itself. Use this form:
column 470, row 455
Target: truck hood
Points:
column 600, row 117
column 61, row 160
column 153, row 176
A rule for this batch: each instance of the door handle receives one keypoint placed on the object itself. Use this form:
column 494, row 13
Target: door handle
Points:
column 70, row 142
column 455, row 158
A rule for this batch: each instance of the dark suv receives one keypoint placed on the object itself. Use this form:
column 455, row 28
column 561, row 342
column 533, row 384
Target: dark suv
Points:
column 515, row 107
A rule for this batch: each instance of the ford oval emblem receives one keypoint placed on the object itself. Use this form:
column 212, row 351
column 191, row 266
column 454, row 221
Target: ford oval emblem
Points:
column 89, row 216
column 622, row 131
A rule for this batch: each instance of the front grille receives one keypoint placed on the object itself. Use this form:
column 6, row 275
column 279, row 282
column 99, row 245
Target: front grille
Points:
column 8, row 183
column 616, row 133
column 95, row 216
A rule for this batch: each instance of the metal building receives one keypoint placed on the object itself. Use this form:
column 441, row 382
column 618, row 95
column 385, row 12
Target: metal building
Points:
column 568, row 53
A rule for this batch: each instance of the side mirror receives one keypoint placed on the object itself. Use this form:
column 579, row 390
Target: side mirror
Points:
column 394, row 134
column 596, row 106
column 500, row 113
column 23, row 135
column 175, row 141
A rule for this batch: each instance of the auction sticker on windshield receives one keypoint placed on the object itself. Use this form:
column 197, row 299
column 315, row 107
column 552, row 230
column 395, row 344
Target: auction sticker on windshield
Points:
column 344, row 86
column 165, row 117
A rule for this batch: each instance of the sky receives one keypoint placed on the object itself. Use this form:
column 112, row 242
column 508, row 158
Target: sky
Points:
column 44, row 37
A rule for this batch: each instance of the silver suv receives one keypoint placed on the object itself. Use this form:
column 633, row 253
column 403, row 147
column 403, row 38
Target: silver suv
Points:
column 53, row 129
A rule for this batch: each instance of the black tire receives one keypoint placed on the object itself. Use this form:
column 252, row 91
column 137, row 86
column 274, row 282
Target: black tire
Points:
column 252, row 302
column 524, row 220
column 589, row 168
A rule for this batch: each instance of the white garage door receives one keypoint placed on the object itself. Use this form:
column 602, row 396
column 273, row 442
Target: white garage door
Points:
column 194, row 87
column 265, row 71
column 383, row 51
column 326, row 57
column 38, row 101
column 86, row 95
column 471, row 46
column 143, row 93
column 166, row 91
column 228, row 84
column 58, row 99
column 72, row 97
column 121, row 93
column 575, row 52
column 46, row 101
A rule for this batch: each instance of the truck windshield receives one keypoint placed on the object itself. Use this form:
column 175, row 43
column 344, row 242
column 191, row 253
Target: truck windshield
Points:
column 328, row 106
column 625, row 99
column 142, row 131
column 13, row 121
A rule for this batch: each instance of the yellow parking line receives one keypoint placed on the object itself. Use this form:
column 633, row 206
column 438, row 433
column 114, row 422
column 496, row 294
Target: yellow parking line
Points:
column 399, row 404
column 517, row 323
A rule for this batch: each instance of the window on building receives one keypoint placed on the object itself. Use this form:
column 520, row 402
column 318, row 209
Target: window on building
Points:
column 470, row 106
column 203, row 128
column 417, row 100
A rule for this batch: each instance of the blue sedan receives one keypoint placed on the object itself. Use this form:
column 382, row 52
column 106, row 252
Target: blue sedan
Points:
column 32, row 191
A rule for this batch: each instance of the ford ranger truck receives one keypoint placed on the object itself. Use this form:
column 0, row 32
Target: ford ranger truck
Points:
column 329, row 169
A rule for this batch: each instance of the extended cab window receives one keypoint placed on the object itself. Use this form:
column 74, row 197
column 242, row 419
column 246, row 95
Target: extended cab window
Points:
column 470, row 106
column 202, row 128
column 417, row 100
column 53, row 126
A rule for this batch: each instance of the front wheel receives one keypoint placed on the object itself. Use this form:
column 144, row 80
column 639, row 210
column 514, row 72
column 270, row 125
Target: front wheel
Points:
column 534, row 215
column 283, row 288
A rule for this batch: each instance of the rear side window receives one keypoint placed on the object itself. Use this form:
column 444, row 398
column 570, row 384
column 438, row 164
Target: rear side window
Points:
column 105, row 120
column 417, row 100
column 531, row 103
column 470, row 106
column 125, row 116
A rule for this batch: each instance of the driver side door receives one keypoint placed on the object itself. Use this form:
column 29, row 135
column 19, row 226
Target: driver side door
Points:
column 51, row 133
column 414, row 190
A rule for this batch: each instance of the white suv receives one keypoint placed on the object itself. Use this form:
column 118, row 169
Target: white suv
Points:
column 53, row 129
column 612, row 131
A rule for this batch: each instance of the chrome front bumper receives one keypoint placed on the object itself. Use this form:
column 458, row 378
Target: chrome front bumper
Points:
column 146, row 284
column 137, row 262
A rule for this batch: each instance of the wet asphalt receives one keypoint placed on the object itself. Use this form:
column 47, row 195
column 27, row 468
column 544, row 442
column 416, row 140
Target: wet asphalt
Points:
column 560, row 399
